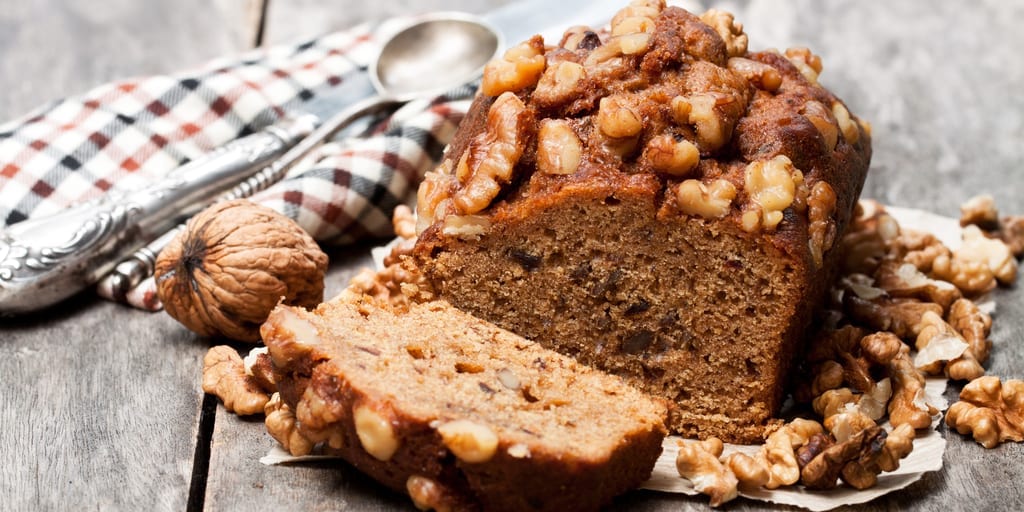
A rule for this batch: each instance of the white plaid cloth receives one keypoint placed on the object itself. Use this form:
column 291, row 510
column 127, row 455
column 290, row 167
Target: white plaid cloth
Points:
column 130, row 133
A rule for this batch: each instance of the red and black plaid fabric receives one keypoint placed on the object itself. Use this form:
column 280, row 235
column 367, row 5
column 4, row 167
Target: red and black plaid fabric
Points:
column 128, row 134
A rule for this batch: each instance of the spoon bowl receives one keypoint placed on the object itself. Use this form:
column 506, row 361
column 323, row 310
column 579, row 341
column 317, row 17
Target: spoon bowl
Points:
column 439, row 52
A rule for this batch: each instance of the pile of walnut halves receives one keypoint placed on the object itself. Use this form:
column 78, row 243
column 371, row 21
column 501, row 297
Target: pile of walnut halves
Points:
column 903, row 309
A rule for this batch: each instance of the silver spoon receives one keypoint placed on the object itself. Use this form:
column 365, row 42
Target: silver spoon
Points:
column 45, row 260
column 435, row 54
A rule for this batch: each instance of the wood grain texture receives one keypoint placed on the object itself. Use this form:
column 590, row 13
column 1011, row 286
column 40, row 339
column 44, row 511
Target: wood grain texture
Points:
column 51, row 49
column 99, row 403
column 99, row 409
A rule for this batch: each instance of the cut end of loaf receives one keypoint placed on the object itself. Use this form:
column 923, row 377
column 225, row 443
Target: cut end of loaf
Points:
column 656, row 200
column 683, row 309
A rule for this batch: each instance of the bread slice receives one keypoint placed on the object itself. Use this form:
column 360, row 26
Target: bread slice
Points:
column 661, row 205
column 459, row 413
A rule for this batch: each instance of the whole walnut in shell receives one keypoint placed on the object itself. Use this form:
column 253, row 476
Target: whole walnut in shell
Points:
column 232, row 264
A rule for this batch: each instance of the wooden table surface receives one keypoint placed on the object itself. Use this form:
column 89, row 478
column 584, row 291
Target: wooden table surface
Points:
column 101, row 406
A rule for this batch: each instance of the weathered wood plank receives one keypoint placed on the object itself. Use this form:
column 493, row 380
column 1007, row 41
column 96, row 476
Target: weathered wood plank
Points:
column 937, row 81
column 99, row 408
column 100, row 403
column 51, row 49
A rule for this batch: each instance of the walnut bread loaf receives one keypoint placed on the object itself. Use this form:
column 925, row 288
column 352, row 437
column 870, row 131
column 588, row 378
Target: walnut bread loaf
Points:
column 654, row 200
column 459, row 413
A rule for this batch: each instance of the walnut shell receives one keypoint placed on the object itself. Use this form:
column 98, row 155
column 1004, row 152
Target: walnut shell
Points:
column 232, row 264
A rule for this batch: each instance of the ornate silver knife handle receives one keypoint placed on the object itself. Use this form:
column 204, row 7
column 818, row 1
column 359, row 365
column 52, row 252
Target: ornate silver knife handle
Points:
column 47, row 259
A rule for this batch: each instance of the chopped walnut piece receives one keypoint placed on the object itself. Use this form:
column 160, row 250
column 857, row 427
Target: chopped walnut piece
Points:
column 558, row 147
column 862, row 472
column 492, row 155
column 937, row 343
column 921, row 249
column 978, row 263
column 815, row 445
column 375, row 431
column 1011, row 232
column 806, row 62
column 224, row 376
column 973, row 324
column 880, row 347
column 428, row 494
column 908, row 405
column 518, row 69
column 469, row 441
column 821, row 232
column 991, row 410
column 665, row 154
column 851, row 133
column 617, row 118
column 404, row 222
column 980, row 211
column 559, row 84
column 259, row 367
column 579, row 37
column 847, row 423
column 824, row 470
column 730, row 30
column 711, row 201
column 712, row 114
column 846, row 413
column 280, row 423
column 432, row 198
column 698, row 462
column 868, row 238
column 779, row 455
column 822, row 119
column 898, row 444
column 902, row 317
column 771, row 187
column 905, row 280
column 875, row 401
column 760, row 74
column 466, row 227
column 638, row 9
column 750, row 472
column 633, row 25
column 397, row 285
column 316, row 415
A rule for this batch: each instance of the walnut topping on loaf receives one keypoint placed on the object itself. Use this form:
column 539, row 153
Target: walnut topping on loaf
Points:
column 654, row 199
column 664, row 92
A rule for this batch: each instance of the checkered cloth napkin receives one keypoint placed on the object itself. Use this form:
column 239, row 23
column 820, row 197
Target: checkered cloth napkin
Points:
column 127, row 134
